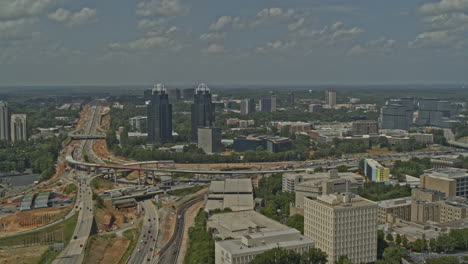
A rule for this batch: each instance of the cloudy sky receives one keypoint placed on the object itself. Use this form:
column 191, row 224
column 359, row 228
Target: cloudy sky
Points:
column 233, row 42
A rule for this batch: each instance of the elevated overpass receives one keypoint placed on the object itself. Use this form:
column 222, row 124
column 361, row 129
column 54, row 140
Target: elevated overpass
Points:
column 138, row 166
column 86, row 137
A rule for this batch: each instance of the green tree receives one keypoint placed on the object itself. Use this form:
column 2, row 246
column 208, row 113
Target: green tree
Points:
column 296, row 221
column 343, row 260
column 443, row 260
column 445, row 243
column 342, row 168
column 393, row 255
column 389, row 237
column 277, row 256
column 398, row 239
column 314, row 256
column 319, row 169
column 404, row 241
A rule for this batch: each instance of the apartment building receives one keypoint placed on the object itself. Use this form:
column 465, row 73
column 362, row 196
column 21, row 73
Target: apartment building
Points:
column 342, row 224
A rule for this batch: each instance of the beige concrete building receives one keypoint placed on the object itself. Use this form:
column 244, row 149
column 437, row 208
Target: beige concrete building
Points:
column 342, row 225
column 390, row 210
column 365, row 127
column 442, row 184
column 237, row 224
column 430, row 205
column 331, row 182
column 18, row 128
column 236, row 194
column 244, row 249
column 451, row 181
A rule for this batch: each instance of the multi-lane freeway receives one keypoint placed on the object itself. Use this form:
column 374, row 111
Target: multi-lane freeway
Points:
column 146, row 244
column 74, row 252
column 170, row 252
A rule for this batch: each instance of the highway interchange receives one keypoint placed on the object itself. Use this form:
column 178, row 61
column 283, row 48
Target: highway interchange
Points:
column 146, row 250
column 74, row 252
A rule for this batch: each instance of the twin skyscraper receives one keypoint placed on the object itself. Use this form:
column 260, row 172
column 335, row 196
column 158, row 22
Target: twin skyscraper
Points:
column 160, row 114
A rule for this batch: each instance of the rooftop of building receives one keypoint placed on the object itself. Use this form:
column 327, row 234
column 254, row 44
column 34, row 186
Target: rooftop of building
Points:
column 374, row 163
column 310, row 175
column 268, row 240
column 417, row 232
column 395, row 202
column 342, row 200
column 236, row 224
column 265, row 137
column 447, row 173
column 231, row 186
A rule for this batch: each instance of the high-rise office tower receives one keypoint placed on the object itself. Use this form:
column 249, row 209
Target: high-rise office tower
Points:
column 342, row 224
column 202, row 111
column 330, row 98
column 4, row 121
column 247, row 106
column 188, row 93
column 174, row 94
column 159, row 123
column 147, row 94
column 209, row 139
column 396, row 114
column 273, row 102
column 291, row 98
column 18, row 127
column 265, row 105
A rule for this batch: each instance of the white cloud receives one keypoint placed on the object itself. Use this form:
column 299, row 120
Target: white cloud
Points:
column 16, row 9
column 221, row 23
column 143, row 44
column 444, row 6
column 213, row 48
column 435, row 39
column 274, row 46
column 447, row 21
column 378, row 46
column 445, row 24
column 17, row 29
column 84, row 16
column 213, row 36
column 270, row 16
column 166, row 8
column 328, row 34
column 151, row 23
column 296, row 25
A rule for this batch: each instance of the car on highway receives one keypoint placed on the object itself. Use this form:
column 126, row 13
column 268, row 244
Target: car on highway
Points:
column 75, row 237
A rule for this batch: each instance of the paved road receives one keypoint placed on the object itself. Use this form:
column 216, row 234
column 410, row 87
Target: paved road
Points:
column 146, row 245
column 74, row 252
column 170, row 252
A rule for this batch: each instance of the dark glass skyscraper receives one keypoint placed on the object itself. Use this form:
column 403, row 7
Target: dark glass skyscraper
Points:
column 159, row 116
column 202, row 110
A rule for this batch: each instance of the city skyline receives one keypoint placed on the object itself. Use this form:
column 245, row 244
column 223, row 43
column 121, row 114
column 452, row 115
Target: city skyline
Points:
column 299, row 42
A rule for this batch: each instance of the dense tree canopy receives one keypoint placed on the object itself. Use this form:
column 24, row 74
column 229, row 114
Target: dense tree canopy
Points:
column 283, row 256
column 378, row 191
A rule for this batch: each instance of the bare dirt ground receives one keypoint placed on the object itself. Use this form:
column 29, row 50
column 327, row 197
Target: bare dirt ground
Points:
column 189, row 222
column 103, row 217
column 83, row 117
column 107, row 250
column 29, row 255
column 105, row 121
column 26, row 220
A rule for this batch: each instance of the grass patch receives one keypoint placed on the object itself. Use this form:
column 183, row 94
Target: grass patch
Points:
column 100, row 183
column 132, row 235
column 186, row 191
column 200, row 244
column 70, row 188
column 67, row 227
column 96, row 247
column 48, row 256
